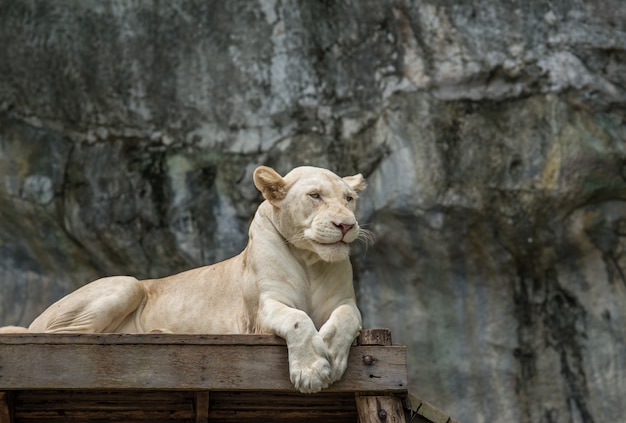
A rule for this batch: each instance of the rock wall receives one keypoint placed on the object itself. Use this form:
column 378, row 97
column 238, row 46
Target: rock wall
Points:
column 491, row 133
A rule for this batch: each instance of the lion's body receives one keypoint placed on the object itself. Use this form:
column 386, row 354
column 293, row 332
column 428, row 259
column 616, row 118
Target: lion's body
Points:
column 293, row 279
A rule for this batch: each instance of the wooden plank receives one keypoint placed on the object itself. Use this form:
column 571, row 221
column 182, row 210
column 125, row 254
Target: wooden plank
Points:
column 427, row 412
column 174, row 366
column 105, row 401
column 90, row 406
column 201, row 407
column 139, row 339
column 284, row 407
column 89, row 415
column 278, row 415
column 378, row 408
column 281, row 407
column 5, row 408
column 250, row 400
column 142, row 406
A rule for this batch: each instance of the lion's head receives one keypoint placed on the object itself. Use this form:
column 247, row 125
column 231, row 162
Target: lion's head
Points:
column 313, row 208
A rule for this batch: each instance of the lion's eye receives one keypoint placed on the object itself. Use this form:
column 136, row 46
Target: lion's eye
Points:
column 349, row 199
column 314, row 195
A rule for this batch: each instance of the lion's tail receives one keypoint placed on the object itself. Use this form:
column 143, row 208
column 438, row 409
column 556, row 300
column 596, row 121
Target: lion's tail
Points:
column 13, row 329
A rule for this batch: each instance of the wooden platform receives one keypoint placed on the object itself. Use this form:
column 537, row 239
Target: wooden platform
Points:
column 190, row 378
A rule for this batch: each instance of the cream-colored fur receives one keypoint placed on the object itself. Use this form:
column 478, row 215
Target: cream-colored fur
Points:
column 293, row 279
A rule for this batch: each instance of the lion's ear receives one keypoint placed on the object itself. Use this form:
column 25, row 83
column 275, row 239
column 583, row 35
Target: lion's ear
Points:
column 270, row 183
column 356, row 182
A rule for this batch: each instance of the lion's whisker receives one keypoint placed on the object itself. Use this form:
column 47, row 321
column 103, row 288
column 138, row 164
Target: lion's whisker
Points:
column 366, row 236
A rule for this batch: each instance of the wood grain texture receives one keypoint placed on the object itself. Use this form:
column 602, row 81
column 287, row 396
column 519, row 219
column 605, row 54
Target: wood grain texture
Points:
column 181, row 362
column 5, row 411
column 374, row 337
column 140, row 339
column 379, row 408
column 421, row 410
column 161, row 406
column 201, row 407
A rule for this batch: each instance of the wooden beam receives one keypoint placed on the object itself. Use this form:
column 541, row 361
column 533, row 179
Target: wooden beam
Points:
column 201, row 407
column 5, row 408
column 142, row 339
column 182, row 362
column 374, row 337
column 379, row 409
column 427, row 412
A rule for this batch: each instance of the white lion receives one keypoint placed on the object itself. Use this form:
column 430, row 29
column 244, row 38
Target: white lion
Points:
column 293, row 279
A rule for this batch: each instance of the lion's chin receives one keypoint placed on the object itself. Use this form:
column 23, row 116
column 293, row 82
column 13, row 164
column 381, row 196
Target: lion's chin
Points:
column 334, row 252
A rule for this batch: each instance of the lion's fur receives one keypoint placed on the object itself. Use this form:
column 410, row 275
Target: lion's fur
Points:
column 293, row 279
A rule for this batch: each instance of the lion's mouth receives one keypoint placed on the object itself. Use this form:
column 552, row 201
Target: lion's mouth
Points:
column 331, row 244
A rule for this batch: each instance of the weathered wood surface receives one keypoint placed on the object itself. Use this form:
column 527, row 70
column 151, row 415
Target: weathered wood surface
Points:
column 257, row 407
column 379, row 408
column 182, row 362
column 423, row 411
column 149, row 406
column 95, row 406
column 201, row 407
column 188, row 378
column 5, row 412
column 375, row 337
column 141, row 339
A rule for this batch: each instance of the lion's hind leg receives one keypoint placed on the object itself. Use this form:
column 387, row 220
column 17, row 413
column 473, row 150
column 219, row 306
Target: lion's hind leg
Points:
column 98, row 307
column 13, row 329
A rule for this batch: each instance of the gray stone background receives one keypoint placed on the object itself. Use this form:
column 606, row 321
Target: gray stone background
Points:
column 491, row 134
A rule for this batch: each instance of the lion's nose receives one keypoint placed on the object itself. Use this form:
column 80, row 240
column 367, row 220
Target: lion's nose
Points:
column 345, row 227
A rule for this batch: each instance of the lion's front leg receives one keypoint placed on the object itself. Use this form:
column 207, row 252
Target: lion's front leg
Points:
column 338, row 333
column 309, row 357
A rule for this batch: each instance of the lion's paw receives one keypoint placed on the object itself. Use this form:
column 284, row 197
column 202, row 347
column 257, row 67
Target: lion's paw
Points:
column 311, row 378
column 309, row 366
column 339, row 364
